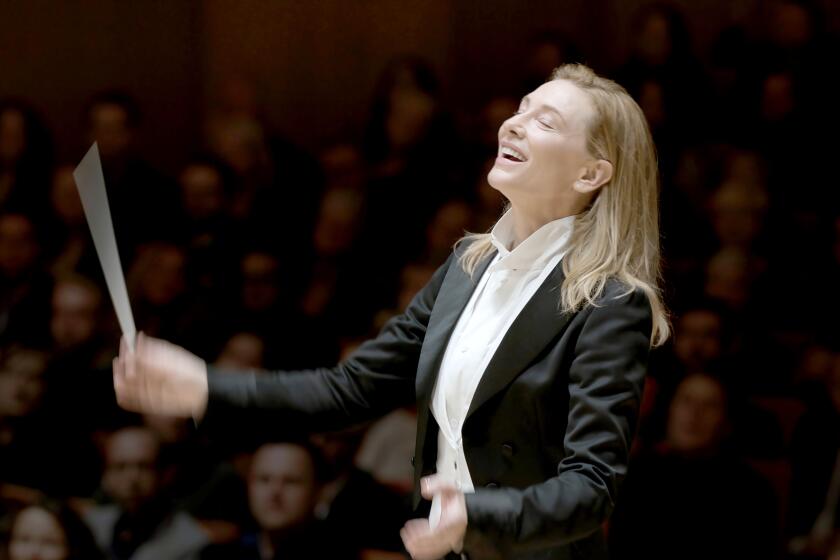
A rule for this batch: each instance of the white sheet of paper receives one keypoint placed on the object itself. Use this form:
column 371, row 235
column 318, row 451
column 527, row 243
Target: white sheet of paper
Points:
column 91, row 184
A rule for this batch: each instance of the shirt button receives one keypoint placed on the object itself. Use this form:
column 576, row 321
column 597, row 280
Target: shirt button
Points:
column 464, row 349
column 455, row 464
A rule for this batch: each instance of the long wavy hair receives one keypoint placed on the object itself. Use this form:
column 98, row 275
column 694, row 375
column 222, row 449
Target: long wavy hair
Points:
column 617, row 235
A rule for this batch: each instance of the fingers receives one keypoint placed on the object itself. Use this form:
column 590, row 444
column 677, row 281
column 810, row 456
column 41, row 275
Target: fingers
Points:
column 129, row 365
column 125, row 348
column 119, row 373
column 149, row 353
column 124, row 388
column 415, row 528
column 415, row 535
column 422, row 542
column 434, row 484
column 160, row 377
column 129, row 384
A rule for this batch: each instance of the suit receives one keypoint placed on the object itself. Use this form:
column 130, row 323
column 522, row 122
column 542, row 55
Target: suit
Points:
column 548, row 432
column 177, row 537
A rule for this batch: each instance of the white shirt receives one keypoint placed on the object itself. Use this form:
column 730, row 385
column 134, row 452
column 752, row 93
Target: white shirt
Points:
column 506, row 286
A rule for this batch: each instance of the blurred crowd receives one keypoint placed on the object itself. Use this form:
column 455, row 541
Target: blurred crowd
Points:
column 258, row 254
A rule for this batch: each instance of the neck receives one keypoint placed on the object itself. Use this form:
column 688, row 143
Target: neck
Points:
column 526, row 222
column 266, row 545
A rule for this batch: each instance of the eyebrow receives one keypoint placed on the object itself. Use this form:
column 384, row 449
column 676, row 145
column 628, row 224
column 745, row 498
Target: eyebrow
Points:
column 527, row 100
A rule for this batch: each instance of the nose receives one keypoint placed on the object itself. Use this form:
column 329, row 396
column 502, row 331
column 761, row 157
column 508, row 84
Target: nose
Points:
column 511, row 126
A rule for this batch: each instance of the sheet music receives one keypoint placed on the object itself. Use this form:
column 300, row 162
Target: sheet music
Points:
column 91, row 185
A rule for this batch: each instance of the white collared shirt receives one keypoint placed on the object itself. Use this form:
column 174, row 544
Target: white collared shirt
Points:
column 506, row 286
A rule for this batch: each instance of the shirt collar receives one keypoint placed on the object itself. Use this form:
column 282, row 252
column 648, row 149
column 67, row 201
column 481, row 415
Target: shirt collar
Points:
column 536, row 250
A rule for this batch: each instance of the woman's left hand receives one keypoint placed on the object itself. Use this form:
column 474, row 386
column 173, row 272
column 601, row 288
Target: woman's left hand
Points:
column 426, row 543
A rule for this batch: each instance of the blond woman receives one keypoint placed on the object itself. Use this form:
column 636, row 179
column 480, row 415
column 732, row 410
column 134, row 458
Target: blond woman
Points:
column 525, row 353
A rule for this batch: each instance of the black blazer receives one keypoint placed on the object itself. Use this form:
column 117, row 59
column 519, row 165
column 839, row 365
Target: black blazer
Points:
column 549, row 429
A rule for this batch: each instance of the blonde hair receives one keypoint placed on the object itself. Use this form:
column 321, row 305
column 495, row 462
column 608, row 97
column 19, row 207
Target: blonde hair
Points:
column 618, row 234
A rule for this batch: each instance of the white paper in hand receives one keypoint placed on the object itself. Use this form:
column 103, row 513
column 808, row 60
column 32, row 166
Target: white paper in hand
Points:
column 91, row 184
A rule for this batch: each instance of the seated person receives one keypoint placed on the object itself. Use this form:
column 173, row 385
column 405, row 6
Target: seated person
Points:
column 355, row 508
column 50, row 531
column 283, row 486
column 140, row 523
column 691, row 497
column 813, row 517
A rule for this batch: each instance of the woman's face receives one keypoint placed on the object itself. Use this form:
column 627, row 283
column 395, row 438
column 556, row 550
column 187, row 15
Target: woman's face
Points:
column 542, row 147
column 37, row 535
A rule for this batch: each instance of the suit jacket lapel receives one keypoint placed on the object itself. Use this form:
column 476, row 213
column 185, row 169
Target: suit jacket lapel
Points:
column 536, row 325
column 452, row 297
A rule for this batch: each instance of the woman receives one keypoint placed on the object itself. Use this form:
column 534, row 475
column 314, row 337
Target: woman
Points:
column 50, row 531
column 525, row 353
column 671, row 504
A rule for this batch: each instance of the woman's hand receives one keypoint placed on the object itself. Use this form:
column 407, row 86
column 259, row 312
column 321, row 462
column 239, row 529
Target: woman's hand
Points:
column 160, row 378
column 424, row 542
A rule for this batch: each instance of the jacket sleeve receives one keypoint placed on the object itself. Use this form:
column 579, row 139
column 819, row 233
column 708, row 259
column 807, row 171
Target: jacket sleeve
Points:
column 606, row 378
column 379, row 376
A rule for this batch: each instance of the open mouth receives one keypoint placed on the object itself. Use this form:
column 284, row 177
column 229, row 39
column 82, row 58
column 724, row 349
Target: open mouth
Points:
column 511, row 154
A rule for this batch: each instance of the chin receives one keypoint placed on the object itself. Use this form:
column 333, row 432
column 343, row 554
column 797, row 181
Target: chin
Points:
column 500, row 181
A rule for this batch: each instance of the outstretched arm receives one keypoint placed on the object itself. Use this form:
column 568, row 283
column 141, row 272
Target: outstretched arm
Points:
column 163, row 378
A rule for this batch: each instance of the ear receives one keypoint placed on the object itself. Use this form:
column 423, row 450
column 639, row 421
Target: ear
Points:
column 594, row 176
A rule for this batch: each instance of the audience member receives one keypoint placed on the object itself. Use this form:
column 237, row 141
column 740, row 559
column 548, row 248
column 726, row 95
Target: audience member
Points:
column 243, row 350
column 546, row 51
column 294, row 339
column 139, row 523
column 448, row 224
column 672, row 504
column 814, row 457
column 263, row 257
column 161, row 301
column 50, row 531
column 407, row 129
column 347, row 491
column 69, row 249
column 25, row 158
column 207, row 229
column 34, row 435
column 25, row 448
column 81, row 342
column 24, row 286
column 136, row 190
column 283, row 485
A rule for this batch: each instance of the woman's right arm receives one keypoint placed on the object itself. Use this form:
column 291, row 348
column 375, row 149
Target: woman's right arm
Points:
column 162, row 378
